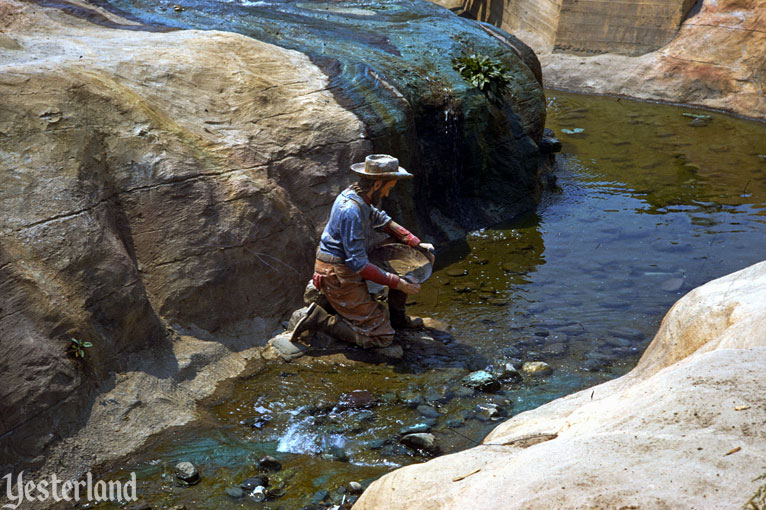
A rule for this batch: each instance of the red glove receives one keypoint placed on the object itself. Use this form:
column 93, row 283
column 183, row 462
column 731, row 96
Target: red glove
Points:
column 402, row 234
column 375, row 274
column 317, row 280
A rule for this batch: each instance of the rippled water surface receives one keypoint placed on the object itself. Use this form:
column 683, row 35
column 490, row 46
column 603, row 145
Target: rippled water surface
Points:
column 646, row 208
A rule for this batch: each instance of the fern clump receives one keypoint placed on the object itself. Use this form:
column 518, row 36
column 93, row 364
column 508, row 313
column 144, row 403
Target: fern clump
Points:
column 486, row 74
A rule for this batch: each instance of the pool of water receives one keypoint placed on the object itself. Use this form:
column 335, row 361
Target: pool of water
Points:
column 650, row 202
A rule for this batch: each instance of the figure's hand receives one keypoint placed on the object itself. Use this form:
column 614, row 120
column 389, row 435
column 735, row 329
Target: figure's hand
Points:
column 408, row 287
column 428, row 249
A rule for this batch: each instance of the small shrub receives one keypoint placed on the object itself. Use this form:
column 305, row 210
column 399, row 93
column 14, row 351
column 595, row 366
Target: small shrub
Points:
column 78, row 347
column 486, row 74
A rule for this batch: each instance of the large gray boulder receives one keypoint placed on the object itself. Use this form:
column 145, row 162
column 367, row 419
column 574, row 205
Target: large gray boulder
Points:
column 161, row 195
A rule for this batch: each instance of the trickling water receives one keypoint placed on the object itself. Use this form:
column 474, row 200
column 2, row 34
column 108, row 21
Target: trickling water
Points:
column 648, row 207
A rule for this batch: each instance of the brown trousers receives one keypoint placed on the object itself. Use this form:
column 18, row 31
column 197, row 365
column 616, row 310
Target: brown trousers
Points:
column 347, row 293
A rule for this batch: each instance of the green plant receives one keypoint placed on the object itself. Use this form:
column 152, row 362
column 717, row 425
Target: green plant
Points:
column 79, row 346
column 486, row 74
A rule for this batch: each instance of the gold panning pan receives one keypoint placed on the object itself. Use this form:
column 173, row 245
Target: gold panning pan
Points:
column 402, row 260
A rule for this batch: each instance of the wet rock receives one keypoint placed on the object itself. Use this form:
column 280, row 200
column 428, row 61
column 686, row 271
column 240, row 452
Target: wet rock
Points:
column 535, row 356
column 276, row 492
column 187, row 473
column 457, row 271
column 251, row 483
column 454, row 423
column 571, row 330
column 595, row 361
column 619, row 342
column 321, row 496
column 377, row 444
column 428, row 411
column 536, row 368
column 355, row 488
column 623, row 352
column 481, row 380
column 357, row 399
column 488, row 412
column 555, row 349
column 699, row 122
column 422, row 441
column 388, row 398
column 417, row 428
column 464, row 392
column 511, row 267
column 672, row 284
column 513, row 351
column 392, row 352
column 549, row 143
column 140, row 506
column 335, row 453
column 411, row 398
column 269, row 463
column 261, row 421
column 440, row 396
column 364, row 416
column 593, row 365
column 285, row 348
column 542, row 333
column 320, row 408
column 630, row 334
column 235, row 492
column 508, row 372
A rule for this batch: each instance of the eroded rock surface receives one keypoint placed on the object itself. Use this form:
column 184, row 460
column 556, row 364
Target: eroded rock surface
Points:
column 162, row 192
column 139, row 190
column 707, row 54
column 684, row 429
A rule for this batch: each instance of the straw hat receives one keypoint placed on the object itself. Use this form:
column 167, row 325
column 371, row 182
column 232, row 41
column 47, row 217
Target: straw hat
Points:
column 381, row 166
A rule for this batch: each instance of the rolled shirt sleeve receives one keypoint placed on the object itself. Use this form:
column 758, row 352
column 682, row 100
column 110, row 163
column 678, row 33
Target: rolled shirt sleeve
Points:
column 379, row 218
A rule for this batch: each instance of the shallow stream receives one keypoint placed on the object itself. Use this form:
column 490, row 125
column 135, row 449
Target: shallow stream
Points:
column 647, row 206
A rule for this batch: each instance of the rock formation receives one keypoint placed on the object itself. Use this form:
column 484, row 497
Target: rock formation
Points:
column 161, row 195
column 684, row 429
column 709, row 53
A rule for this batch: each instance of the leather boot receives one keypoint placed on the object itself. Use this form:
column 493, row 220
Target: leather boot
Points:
column 309, row 322
column 317, row 319
column 396, row 305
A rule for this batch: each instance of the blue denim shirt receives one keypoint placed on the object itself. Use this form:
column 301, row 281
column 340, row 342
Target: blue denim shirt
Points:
column 348, row 231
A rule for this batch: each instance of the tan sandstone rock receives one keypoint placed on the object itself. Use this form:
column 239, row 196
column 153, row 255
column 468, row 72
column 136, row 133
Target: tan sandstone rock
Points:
column 709, row 55
column 684, row 429
column 148, row 182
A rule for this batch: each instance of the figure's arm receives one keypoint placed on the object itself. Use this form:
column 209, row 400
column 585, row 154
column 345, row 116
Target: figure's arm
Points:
column 403, row 235
column 375, row 274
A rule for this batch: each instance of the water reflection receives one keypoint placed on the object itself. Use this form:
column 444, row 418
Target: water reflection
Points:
column 647, row 208
column 653, row 201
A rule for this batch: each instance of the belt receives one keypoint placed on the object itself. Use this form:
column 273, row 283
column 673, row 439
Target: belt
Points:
column 330, row 259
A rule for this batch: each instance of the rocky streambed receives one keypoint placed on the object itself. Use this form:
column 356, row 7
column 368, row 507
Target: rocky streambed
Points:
column 579, row 287
column 152, row 172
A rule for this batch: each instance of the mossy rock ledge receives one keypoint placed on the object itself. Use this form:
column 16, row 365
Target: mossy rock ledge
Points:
column 165, row 175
